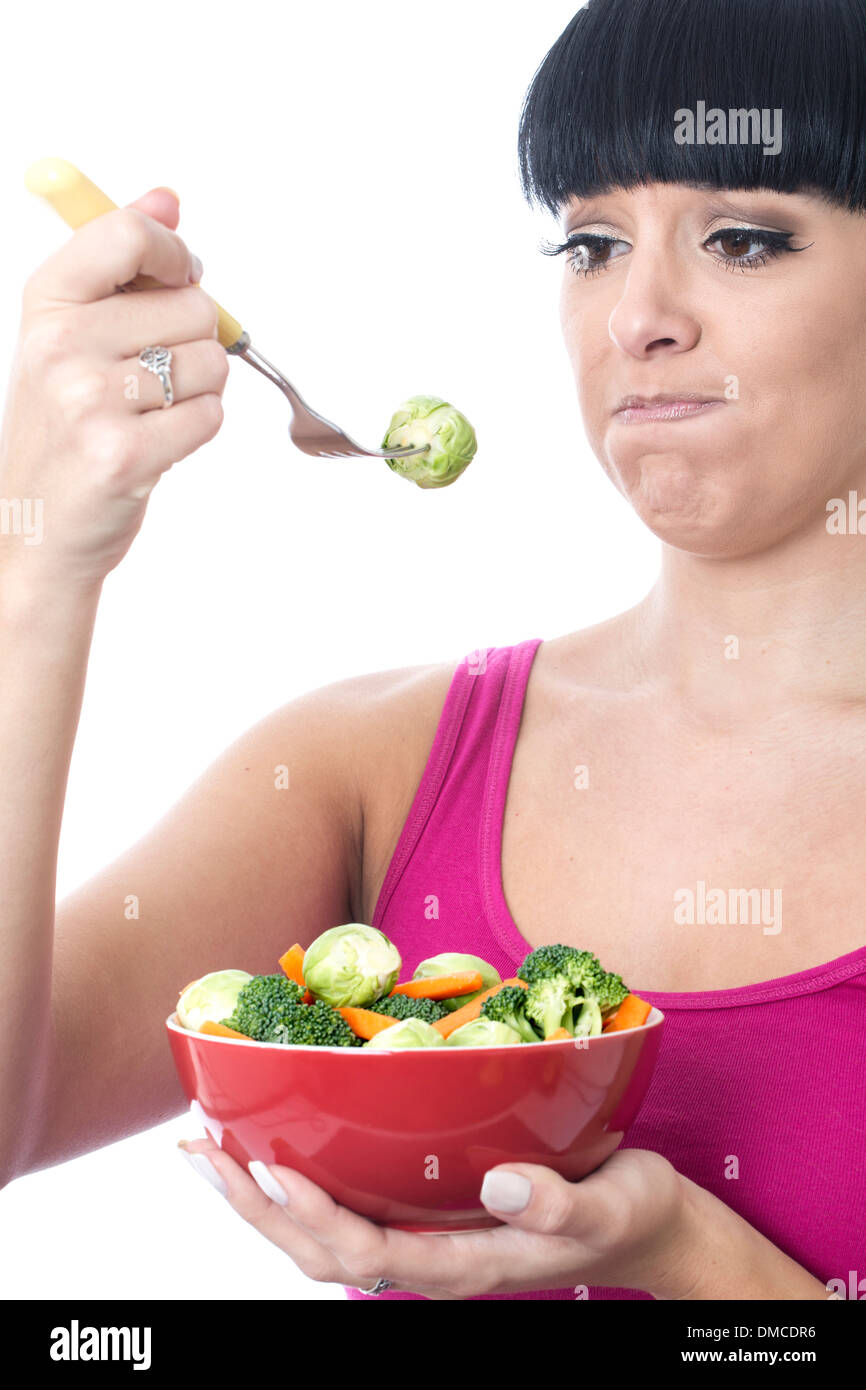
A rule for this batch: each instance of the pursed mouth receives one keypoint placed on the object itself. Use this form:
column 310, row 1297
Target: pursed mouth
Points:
column 675, row 408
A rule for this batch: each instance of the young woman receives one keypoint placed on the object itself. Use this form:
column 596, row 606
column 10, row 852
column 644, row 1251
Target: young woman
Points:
column 720, row 725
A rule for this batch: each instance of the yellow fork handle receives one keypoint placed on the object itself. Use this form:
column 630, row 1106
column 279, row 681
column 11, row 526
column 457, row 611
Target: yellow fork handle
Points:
column 77, row 200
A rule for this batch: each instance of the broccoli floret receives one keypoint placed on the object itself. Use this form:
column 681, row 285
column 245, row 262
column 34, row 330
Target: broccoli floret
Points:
column 556, row 972
column 269, row 1009
column 403, row 1006
column 550, row 1004
column 612, row 993
column 508, row 1005
column 263, row 1003
column 600, row 991
column 548, row 962
column 551, row 995
column 315, row 1025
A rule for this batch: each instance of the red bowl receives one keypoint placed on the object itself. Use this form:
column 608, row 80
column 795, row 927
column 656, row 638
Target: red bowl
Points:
column 405, row 1137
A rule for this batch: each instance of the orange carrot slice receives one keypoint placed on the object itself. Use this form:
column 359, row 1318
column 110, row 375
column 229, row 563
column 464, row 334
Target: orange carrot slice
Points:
column 632, row 1012
column 221, row 1030
column 560, row 1033
column 364, row 1023
column 441, row 986
column 447, row 1025
column 292, row 964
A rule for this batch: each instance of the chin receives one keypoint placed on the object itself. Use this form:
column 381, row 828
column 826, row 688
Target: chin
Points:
column 730, row 534
column 711, row 543
column 693, row 512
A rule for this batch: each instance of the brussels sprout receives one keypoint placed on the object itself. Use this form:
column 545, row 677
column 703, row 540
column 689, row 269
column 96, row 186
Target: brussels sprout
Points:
column 430, row 420
column 410, row 1032
column 483, row 1032
column 353, row 964
column 452, row 963
column 212, row 998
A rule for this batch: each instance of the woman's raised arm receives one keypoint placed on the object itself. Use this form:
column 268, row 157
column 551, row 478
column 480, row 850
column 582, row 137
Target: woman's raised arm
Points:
column 84, row 440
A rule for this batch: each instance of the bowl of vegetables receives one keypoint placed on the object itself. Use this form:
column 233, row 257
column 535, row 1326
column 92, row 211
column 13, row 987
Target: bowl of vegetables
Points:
column 462, row 1070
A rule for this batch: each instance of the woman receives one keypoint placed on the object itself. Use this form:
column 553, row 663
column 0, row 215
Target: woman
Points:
column 617, row 788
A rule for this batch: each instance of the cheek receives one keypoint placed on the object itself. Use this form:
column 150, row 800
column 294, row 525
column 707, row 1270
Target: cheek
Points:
column 583, row 323
column 802, row 394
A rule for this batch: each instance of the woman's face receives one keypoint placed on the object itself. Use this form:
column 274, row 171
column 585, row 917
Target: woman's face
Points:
column 669, row 307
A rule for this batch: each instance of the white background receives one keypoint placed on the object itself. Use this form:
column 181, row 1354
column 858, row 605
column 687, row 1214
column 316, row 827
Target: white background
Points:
column 348, row 176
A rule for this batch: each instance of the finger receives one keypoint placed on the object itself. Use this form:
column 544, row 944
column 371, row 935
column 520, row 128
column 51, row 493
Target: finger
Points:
column 195, row 368
column 162, row 204
column 271, row 1220
column 107, row 252
column 121, row 326
column 531, row 1197
column 414, row 1263
column 151, row 441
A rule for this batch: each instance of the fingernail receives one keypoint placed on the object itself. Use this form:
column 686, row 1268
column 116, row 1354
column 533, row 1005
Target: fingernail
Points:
column 505, row 1191
column 267, row 1182
column 165, row 189
column 202, row 1164
column 196, row 271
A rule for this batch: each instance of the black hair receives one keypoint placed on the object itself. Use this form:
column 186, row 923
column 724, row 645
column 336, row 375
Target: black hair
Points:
column 600, row 111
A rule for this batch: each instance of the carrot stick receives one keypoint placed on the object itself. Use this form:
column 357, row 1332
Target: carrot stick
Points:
column 447, row 1025
column 560, row 1033
column 364, row 1023
column 632, row 1012
column 292, row 963
column 221, row 1030
column 441, row 986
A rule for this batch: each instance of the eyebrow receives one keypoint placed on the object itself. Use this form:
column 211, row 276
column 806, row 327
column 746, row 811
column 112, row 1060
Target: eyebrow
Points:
column 756, row 205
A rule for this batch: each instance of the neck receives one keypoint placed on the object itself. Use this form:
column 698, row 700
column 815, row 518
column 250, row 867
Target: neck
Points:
column 739, row 639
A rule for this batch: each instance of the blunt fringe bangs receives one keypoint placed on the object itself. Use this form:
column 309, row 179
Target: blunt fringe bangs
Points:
column 600, row 111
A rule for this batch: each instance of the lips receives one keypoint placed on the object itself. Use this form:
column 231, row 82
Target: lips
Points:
column 664, row 398
column 665, row 407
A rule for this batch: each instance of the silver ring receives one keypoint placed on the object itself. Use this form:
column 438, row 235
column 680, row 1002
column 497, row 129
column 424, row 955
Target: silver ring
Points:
column 158, row 361
column 379, row 1287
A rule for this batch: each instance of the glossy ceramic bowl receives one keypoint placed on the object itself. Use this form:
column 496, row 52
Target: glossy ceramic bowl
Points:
column 405, row 1137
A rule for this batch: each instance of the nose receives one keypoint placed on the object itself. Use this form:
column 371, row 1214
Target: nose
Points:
column 652, row 314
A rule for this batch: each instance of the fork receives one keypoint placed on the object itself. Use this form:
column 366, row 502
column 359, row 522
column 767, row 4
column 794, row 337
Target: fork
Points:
column 78, row 200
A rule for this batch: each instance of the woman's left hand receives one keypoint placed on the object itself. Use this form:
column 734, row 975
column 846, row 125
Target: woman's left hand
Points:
column 626, row 1225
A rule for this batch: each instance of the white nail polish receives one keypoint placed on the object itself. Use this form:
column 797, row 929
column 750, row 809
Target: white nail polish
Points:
column 506, row 1191
column 202, row 1164
column 267, row 1182
column 213, row 1127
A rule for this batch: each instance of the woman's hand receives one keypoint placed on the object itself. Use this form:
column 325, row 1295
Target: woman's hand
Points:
column 85, row 437
column 626, row 1225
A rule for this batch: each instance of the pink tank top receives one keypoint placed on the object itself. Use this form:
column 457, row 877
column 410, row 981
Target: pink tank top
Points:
column 772, row 1073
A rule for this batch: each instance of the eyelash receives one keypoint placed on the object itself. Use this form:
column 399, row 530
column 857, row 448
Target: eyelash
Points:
column 776, row 244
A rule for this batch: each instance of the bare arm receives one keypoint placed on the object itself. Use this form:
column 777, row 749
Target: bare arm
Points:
column 82, row 454
column 236, row 872
column 45, row 642
column 722, row 1256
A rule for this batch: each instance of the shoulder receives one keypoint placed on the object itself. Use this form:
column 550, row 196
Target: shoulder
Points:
column 397, row 712
column 399, row 709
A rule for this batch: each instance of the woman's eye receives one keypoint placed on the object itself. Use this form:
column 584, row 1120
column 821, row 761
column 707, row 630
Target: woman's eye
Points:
column 591, row 252
column 588, row 254
column 735, row 243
